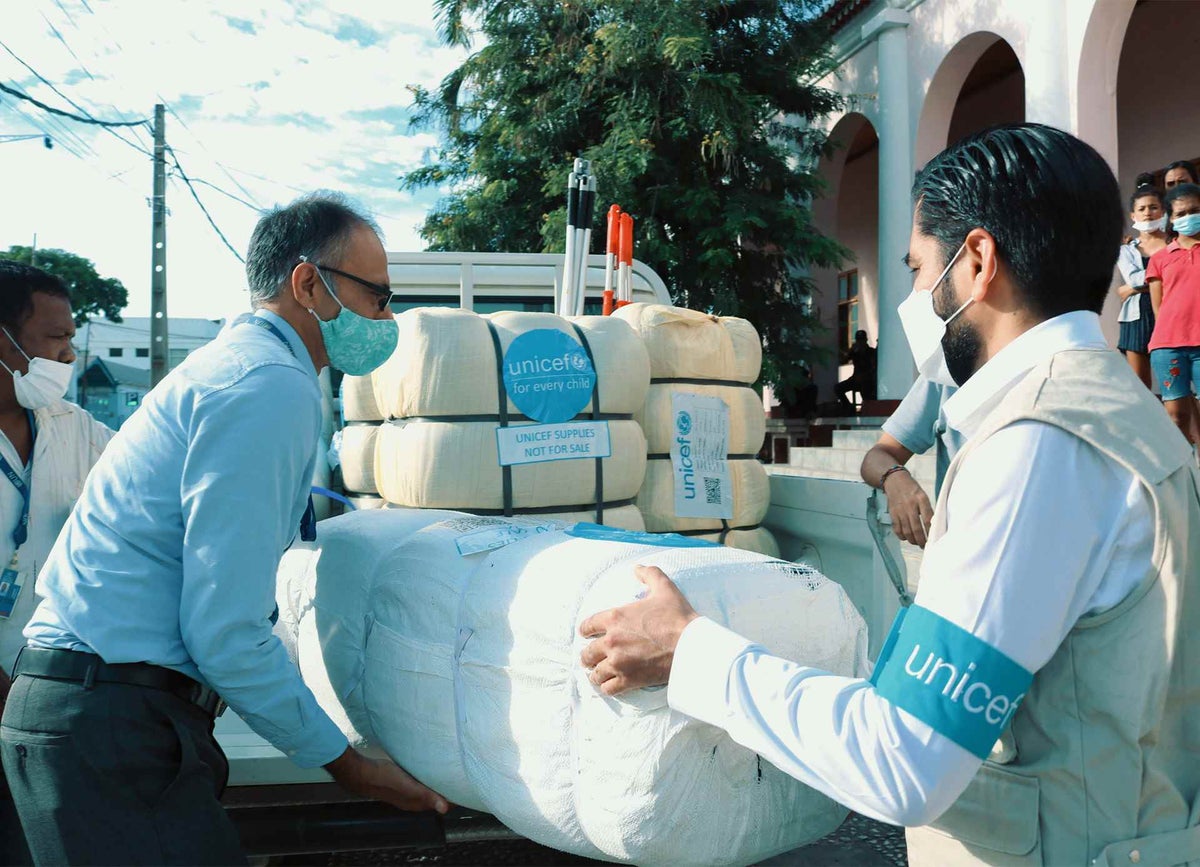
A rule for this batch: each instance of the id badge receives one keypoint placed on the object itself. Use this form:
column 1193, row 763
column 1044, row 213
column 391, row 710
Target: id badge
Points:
column 10, row 589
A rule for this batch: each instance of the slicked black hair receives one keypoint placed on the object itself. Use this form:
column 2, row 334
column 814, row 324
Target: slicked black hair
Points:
column 18, row 282
column 317, row 225
column 1180, row 191
column 1143, row 191
column 1050, row 201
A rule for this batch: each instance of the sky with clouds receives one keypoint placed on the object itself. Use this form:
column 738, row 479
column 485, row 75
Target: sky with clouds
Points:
column 266, row 99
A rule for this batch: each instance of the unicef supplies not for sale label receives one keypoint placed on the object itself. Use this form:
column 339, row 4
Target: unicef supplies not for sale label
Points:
column 537, row 443
column 548, row 375
column 703, row 488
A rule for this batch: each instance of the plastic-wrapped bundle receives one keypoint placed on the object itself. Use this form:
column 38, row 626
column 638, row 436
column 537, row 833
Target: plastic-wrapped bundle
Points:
column 357, row 456
column 698, row 358
column 463, row 665
column 456, row 377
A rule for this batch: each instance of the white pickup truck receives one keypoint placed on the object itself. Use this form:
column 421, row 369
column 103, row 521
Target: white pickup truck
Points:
column 820, row 513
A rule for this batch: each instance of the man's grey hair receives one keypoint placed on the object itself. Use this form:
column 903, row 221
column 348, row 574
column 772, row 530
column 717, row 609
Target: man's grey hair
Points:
column 317, row 225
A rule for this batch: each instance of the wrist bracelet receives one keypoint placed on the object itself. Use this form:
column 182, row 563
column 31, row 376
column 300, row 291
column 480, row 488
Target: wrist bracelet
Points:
column 895, row 468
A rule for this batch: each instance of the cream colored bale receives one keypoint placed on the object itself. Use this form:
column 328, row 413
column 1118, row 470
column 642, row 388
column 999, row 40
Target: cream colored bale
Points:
column 622, row 518
column 690, row 344
column 358, row 399
column 747, row 421
column 751, row 497
column 358, row 458
column 760, row 540
column 445, row 362
column 454, row 465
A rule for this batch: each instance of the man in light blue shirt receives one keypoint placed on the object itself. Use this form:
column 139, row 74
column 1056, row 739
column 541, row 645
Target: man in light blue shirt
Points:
column 918, row 424
column 160, row 592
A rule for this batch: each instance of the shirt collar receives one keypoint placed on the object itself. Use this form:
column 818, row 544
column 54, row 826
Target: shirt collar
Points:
column 293, row 339
column 967, row 408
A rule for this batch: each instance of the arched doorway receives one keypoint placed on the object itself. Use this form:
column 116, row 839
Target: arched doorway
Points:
column 979, row 84
column 848, row 297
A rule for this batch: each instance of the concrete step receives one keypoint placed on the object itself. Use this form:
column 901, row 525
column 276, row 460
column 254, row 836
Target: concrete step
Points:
column 839, row 463
column 855, row 439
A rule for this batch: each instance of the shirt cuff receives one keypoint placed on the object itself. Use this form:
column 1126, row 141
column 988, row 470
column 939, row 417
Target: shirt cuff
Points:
column 698, row 685
column 317, row 744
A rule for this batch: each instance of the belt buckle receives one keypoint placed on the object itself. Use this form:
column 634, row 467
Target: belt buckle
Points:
column 208, row 700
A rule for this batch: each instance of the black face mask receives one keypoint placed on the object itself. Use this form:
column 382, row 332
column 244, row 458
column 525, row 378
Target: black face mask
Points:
column 961, row 343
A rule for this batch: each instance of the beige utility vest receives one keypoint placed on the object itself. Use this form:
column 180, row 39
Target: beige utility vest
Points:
column 1101, row 763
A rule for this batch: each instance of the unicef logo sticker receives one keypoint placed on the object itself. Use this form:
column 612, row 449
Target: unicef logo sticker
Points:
column 548, row 375
column 683, row 423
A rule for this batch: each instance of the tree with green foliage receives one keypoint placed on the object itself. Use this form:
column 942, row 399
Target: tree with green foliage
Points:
column 698, row 118
column 91, row 294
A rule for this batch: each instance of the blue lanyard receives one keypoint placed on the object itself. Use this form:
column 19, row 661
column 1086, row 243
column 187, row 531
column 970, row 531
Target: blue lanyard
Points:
column 21, row 533
column 308, row 521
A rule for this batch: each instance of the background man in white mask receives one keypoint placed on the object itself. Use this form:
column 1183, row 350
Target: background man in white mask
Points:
column 159, row 597
column 1039, row 703
column 47, row 448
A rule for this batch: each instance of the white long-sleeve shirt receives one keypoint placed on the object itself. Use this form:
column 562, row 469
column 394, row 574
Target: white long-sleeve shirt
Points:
column 1041, row 530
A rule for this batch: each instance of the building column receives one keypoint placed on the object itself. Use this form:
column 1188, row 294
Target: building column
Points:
column 890, row 30
column 1047, row 91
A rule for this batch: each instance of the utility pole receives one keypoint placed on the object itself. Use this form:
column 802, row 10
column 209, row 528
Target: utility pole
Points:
column 33, row 251
column 159, row 350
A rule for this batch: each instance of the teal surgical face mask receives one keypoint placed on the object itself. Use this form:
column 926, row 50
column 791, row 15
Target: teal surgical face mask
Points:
column 1187, row 225
column 355, row 344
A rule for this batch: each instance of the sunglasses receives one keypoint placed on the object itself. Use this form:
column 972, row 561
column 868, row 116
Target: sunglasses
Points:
column 382, row 291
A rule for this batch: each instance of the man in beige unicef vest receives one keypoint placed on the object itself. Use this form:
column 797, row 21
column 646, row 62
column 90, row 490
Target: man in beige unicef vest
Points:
column 1040, row 701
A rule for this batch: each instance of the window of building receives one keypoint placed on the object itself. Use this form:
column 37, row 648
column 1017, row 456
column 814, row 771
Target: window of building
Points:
column 176, row 357
column 142, row 352
column 847, row 308
column 116, row 351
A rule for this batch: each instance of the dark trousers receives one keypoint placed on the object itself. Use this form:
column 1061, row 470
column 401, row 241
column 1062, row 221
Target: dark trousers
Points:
column 115, row 774
column 13, row 850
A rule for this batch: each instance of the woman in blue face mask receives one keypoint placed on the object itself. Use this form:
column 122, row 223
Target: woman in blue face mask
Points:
column 1173, row 276
column 1137, row 314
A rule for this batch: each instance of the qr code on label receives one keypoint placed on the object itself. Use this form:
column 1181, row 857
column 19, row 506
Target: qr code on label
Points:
column 712, row 491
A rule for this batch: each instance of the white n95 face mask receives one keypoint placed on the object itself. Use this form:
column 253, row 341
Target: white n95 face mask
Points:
column 1151, row 225
column 925, row 329
column 45, row 382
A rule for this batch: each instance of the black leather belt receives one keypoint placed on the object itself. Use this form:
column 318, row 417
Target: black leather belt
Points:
column 89, row 669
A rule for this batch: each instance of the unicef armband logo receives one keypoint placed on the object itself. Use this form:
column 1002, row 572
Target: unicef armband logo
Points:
column 955, row 683
column 683, row 423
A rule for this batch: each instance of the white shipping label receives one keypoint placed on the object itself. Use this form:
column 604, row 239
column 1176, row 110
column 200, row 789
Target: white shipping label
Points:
column 703, row 487
column 536, row 443
column 503, row 533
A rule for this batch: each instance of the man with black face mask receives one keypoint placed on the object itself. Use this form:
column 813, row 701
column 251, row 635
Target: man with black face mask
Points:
column 1039, row 703
column 47, row 448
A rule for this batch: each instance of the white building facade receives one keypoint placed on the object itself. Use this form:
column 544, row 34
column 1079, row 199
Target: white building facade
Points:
column 919, row 75
column 128, row 342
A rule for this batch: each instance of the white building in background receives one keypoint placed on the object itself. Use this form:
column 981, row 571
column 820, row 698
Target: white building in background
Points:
column 920, row 74
column 128, row 342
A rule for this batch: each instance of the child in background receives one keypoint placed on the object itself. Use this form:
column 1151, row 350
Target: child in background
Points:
column 1173, row 276
column 1149, row 218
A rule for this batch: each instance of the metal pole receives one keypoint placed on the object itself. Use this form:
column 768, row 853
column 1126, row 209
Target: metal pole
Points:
column 159, row 349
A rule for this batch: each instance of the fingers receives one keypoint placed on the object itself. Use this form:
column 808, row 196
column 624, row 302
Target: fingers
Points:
column 651, row 576
column 596, row 625
column 593, row 653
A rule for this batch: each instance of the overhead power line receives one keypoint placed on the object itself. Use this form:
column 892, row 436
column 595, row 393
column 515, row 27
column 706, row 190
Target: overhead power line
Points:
column 12, row 91
column 196, row 196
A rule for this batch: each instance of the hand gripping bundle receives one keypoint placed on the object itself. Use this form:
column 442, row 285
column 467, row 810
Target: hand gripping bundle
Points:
column 465, row 669
column 699, row 361
column 457, row 377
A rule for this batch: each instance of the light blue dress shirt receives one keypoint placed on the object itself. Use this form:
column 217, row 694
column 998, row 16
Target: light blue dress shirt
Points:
column 170, row 555
column 919, row 422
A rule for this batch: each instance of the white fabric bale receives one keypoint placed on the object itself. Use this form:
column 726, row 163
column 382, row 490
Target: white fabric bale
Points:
column 751, row 498
column 689, row 344
column 358, row 458
column 358, row 399
column 468, row 672
column 747, row 421
column 454, row 465
column 445, row 362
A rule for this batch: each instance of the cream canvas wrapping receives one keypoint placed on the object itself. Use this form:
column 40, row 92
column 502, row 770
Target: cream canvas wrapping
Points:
column 445, row 366
column 465, row 670
column 357, row 456
column 720, row 356
column 358, row 399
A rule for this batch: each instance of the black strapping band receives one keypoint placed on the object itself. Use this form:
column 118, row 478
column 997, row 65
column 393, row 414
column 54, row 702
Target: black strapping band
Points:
column 690, row 381
column 663, row 456
column 502, row 400
column 587, row 347
column 724, row 531
column 543, row 510
column 512, row 417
